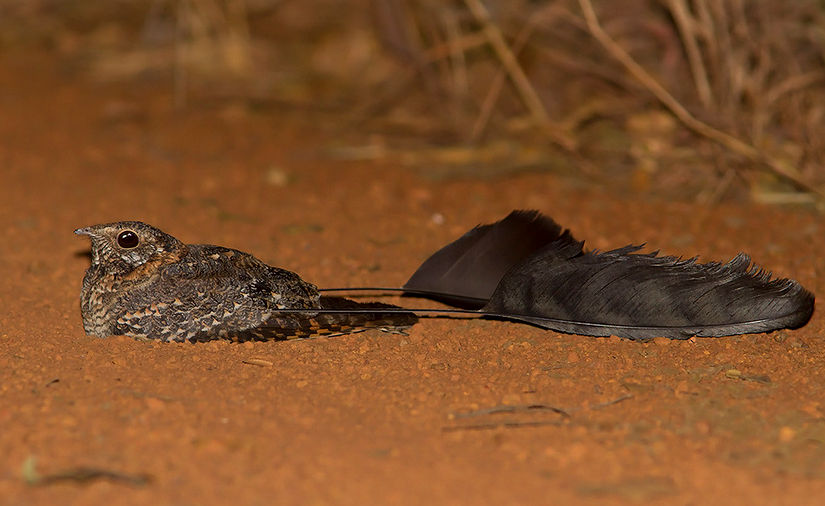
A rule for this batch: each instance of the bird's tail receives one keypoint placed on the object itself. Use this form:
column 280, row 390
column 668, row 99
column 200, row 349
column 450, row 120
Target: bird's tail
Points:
column 345, row 316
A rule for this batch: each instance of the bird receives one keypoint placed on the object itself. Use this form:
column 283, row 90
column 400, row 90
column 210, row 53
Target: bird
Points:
column 146, row 284
column 525, row 268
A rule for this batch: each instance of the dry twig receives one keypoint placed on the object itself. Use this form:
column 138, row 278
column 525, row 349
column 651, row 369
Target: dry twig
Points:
column 526, row 408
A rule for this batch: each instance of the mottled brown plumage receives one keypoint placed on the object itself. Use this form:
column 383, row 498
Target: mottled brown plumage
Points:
column 147, row 284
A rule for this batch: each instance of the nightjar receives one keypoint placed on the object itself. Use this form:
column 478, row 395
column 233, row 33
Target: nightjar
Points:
column 147, row 284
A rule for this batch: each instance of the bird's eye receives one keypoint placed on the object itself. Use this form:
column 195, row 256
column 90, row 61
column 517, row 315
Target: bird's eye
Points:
column 128, row 239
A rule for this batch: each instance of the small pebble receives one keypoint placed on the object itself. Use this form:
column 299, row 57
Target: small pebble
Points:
column 733, row 374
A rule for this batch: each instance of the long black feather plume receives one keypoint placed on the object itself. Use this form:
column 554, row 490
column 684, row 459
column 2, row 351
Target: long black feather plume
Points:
column 525, row 267
column 466, row 272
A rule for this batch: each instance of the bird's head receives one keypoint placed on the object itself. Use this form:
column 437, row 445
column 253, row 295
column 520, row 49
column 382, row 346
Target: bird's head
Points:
column 121, row 247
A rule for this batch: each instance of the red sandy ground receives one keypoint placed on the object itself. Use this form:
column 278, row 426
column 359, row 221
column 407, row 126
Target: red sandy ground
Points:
column 368, row 418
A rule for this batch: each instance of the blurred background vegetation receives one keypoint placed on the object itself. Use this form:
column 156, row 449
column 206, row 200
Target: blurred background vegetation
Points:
column 701, row 99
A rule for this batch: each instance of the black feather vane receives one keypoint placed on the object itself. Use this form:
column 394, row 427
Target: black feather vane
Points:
column 527, row 268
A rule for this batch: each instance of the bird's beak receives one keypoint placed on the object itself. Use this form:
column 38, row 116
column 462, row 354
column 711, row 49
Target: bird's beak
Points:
column 85, row 231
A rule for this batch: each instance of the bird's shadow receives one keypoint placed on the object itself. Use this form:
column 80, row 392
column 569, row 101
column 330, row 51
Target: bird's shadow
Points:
column 87, row 254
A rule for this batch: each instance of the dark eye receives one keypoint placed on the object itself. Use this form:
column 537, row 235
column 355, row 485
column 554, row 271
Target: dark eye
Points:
column 127, row 239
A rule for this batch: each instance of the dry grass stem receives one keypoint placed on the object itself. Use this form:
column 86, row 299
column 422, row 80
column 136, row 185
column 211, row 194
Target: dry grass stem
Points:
column 496, row 86
column 520, row 80
column 686, row 25
column 794, row 84
column 777, row 166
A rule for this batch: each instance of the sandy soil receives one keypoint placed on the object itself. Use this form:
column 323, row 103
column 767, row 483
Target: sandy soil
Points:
column 436, row 417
